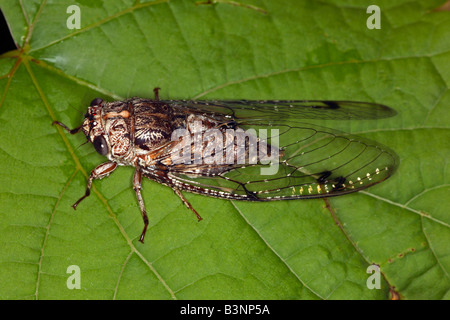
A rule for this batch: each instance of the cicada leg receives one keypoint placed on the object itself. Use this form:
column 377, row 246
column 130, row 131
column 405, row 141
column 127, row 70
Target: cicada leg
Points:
column 98, row 173
column 137, row 178
column 71, row 131
column 156, row 92
column 186, row 203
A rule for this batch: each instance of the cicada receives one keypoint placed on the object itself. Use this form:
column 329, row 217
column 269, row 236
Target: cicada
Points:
column 237, row 149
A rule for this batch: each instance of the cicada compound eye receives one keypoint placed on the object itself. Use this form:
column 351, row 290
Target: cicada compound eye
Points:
column 96, row 102
column 100, row 145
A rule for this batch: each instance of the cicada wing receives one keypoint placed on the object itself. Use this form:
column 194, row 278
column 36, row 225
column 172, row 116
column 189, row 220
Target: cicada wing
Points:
column 269, row 111
column 301, row 161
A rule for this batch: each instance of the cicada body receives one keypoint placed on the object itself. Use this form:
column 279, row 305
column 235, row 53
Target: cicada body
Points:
column 238, row 150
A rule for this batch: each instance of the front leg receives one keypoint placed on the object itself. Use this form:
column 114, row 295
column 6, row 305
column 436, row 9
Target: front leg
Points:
column 137, row 188
column 98, row 173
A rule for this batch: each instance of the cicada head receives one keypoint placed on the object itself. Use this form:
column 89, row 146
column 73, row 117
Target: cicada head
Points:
column 106, row 126
column 93, row 127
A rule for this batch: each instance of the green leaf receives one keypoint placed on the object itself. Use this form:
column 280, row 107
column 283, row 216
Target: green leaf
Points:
column 308, row 249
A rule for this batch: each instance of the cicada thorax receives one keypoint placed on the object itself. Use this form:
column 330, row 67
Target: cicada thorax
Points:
column 151, row 128
column 153, row 124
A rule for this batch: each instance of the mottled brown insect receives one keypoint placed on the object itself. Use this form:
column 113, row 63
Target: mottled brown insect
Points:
column 306, row 160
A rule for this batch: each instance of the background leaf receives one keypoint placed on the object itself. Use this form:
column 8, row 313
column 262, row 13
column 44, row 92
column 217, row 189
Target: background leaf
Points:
column 286, row 250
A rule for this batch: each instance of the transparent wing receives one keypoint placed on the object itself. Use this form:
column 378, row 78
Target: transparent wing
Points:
column 311, row 161
column 270, row 111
